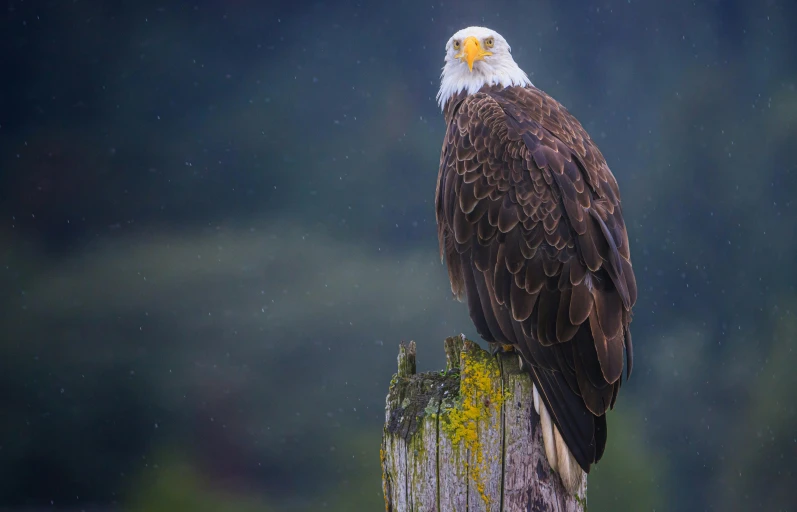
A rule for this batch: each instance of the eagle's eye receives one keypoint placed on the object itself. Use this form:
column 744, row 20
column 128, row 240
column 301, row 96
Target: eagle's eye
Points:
column 456, row 45
column 489, row 42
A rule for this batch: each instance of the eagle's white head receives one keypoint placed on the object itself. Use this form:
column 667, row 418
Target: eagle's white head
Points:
column 475, row 57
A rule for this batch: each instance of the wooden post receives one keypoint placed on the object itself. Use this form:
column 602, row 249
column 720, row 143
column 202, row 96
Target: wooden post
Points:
column 467, row 438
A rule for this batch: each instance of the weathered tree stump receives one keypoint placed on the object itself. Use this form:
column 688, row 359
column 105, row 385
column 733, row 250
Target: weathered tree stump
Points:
column 467, row 438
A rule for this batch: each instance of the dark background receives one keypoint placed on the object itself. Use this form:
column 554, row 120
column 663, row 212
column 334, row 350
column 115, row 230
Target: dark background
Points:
column 217, row 224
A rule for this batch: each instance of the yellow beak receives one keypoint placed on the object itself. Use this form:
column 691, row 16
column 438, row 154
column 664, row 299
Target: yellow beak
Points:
column 472, row 51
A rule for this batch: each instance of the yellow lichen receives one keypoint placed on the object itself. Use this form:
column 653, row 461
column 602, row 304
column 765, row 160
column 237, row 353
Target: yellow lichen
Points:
column 480, row 397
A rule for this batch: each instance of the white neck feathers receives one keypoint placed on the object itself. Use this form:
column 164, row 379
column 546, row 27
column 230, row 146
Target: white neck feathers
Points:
column 457, row 78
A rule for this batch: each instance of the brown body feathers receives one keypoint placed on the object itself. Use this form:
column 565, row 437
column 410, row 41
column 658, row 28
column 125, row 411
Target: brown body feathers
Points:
column 531, row 229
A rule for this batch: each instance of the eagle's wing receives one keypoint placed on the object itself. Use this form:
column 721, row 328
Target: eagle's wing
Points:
column 530, row 226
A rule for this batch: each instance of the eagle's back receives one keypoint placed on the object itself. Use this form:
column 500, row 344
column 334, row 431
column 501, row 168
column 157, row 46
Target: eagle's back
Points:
column 531, row 229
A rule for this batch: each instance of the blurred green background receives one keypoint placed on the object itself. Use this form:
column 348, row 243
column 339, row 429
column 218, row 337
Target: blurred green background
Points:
column 217, row 224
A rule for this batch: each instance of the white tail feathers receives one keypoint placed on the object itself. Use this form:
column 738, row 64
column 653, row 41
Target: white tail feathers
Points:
column 548, row 437
column 569, row 470
column 556, row 451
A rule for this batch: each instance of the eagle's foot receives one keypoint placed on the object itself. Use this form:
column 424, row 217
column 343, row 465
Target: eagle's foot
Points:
column 496, row 347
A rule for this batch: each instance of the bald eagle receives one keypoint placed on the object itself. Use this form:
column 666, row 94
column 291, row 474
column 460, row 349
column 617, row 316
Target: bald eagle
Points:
column 532, row 233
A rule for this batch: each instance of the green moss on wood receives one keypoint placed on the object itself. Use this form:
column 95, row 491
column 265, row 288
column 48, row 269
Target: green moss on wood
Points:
column 406, row 360
column 417, row 397
column 453, row 348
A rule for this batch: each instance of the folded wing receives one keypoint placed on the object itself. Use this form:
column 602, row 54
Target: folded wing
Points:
column 531, row 229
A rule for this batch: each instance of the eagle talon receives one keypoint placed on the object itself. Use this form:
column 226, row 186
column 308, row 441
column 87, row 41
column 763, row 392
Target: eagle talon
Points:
column 496, row 348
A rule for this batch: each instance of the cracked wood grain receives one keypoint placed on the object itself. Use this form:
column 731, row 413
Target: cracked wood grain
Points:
column 467, row 438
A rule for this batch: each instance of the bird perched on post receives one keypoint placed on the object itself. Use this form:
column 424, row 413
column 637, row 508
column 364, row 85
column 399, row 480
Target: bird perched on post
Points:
column 531, row 229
